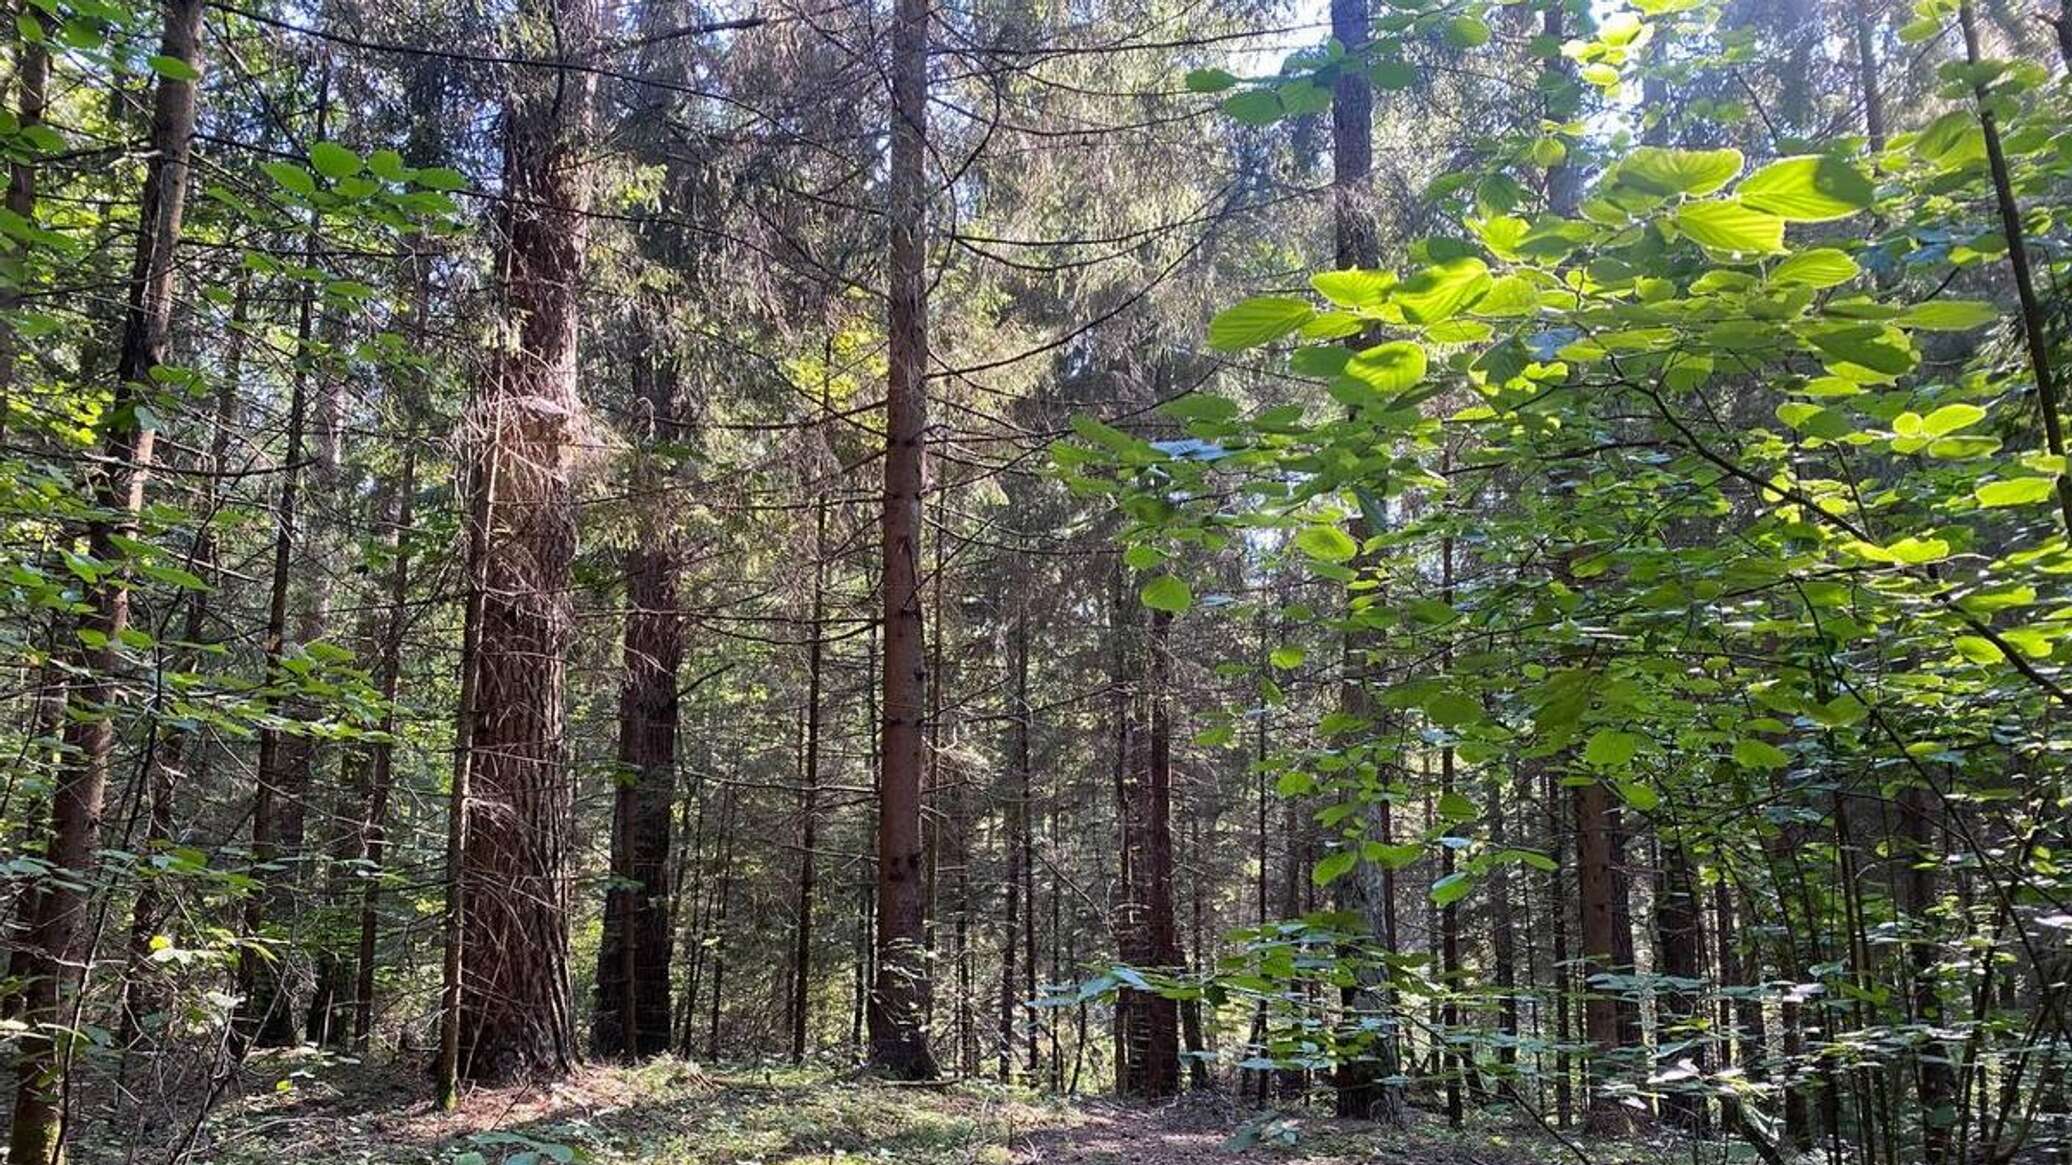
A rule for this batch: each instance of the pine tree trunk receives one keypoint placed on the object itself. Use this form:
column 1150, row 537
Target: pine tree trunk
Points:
column 1016, row 833
column 900, row 989
column 632, row 1013
column 1597, row 887
column 32, row 85
column 1680, row 952
column 809, row 798
column 527, row 420
column 1152, row 1032
column 52, row 949
column 382, row 764
column 266, row 1013
column 1934, row 1079
column 146, row 989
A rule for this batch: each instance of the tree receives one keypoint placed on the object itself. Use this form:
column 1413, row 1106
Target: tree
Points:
column 633, row 983
column 59, row 909
column 900, row 991
column 514, row 1017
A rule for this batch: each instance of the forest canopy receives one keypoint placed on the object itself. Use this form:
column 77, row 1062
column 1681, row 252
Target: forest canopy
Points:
column 1496, row 564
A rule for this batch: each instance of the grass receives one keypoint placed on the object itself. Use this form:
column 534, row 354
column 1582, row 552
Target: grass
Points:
column 303, row 1107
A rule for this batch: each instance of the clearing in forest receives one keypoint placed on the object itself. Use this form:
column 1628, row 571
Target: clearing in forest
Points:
column 672, row 1111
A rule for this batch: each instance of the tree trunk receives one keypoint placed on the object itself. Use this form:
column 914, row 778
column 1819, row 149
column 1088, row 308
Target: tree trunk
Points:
column 900, row 990
column 146, row 989
column 1597, row 888
column 1557, row 923
column 527, row 420
column 809, row 794
column 381, row 765
column 32, row 84
column 1153, row 1030
column 1017, row 831
column 264, row 1016
column 1934, row 1079
column 59, row 903
column 1680, row 954
column 633, row 982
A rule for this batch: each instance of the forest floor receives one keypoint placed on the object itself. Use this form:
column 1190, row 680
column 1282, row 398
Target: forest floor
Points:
column 674, row 1112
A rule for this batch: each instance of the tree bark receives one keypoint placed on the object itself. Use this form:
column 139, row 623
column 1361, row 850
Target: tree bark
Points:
column 1597, row 887
column 264, row 1017
column 115, row 481
column 809, row 793
column 1152, row 1032
column 631, row 1019
column 900, row 989
column 527, row 419
column 32, row 86
column 1680, row 947
column 146, row 991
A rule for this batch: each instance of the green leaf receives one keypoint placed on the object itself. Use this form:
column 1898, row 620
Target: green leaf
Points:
column 1453, row 806
column 1466, row 32
column 1392, row 856
column 1810, row 188
column 173, row 67
column 1977, row 649
column 1443, row 290
column 1610, row 748
column 1758, row 754
column 1393, row 74
column 1950, row 418
column 1390, row 367
column 1141, row 557
column 1333, row 867
column 1873, row 346
column 1166, row 593
column 1821, row 267
column 290, row 176
column 1452, row 888
column 1287, row 658
column 1353, row 286
column 1815, row 421
column 1729, row 226
column 1209, row 81
column 388, row 165
column 440, row 178
column 1671, row 172
column 1918, row 551
column 1200, row 406
column 2016, row 491
column 1950, row 315
column 333, row 160
column 1259, row 320
column 1326, row 543
column 1451, row 709
column 1254, row 107
column 1640, row 796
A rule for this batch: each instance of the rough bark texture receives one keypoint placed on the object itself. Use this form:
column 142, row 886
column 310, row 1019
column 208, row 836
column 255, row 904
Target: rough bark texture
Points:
column 1597, row 891
column 32, row 83
column 53, row 948
column 514, row 1020
column 1149, row 932
column 633, row 960
column 900, row 989
column 1680, row 954
column 809, row 798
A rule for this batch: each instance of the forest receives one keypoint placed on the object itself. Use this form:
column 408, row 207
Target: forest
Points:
column 1440, row 582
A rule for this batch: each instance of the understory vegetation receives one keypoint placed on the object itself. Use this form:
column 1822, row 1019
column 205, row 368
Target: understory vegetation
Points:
column 1125, row 580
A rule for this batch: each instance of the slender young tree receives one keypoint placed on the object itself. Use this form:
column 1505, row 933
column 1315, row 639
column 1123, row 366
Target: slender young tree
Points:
column 54, row 947
column 900, row 988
